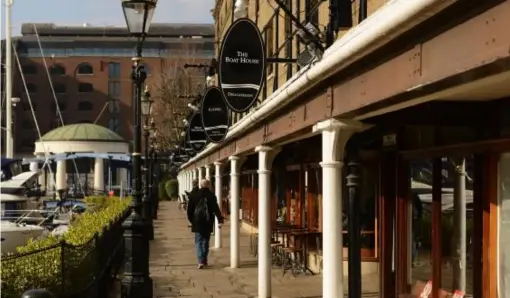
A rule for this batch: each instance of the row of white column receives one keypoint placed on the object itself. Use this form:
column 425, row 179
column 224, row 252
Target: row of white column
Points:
column 335, row 134
column 61, row 175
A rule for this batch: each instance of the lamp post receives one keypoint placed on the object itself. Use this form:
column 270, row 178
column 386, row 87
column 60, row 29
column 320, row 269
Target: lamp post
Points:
column 137, row 282
column 153, row 189
column 146, row 199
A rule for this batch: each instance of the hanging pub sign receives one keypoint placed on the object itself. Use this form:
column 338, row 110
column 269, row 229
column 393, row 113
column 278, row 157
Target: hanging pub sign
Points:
column 215, row 115
column 187, row 147
column 242, row 65
column 197, row 138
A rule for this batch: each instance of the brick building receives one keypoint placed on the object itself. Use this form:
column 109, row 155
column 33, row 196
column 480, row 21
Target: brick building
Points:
column 90, row 71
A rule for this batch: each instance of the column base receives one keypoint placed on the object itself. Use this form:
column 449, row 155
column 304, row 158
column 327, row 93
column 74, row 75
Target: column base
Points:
column 136, row 287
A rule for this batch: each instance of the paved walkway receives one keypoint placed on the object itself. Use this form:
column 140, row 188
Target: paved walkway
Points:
column 173, row 266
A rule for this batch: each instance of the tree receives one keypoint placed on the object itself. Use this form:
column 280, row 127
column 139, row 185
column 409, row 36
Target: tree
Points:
column 172, row 90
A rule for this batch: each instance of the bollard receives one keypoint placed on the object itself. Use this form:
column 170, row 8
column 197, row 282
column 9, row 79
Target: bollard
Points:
column 37, row 293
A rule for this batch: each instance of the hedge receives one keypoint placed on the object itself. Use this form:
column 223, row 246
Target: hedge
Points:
column 39, row 263
column 172, row 188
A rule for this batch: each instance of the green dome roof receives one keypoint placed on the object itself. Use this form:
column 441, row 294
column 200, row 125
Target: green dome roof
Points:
column 82, row 132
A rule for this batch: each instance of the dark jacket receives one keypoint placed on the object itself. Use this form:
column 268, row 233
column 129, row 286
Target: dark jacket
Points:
column 212, row 204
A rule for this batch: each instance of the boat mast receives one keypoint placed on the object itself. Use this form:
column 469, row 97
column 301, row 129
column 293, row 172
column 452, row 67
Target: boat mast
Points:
column 9, row 141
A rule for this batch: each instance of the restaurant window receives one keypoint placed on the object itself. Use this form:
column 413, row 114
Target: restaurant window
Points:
column 26, row 106
column 27, row 124
column 269, row 34
column 114, row 106
column 504, row 226
column 85, row 88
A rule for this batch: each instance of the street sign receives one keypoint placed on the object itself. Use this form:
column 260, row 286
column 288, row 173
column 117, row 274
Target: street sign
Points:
column 215, row 115
column 196, row 133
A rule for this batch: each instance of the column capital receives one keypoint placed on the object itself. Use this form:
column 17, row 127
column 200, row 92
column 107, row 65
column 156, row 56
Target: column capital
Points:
column 337, row 124
column 266, row 157
column 207, row 166
column 234, row 157
column 218, row 163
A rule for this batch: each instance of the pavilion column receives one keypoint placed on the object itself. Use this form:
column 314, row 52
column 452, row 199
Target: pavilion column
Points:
column 122, row 177
column 235, row 167
column 99, row 174
column 208, row 172
column 194, row 175
column 34, row 166
column 217, row 190
column 61, row 175
column 335, row 134
column 266, row 157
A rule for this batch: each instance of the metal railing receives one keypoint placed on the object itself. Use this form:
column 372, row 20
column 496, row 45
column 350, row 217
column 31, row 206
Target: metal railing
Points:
column 67, row 270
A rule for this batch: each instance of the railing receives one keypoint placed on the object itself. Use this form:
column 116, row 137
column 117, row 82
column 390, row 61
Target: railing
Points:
column 67, row 270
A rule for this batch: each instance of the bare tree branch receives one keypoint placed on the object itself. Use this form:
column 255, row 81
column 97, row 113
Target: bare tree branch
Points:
column 169, row 90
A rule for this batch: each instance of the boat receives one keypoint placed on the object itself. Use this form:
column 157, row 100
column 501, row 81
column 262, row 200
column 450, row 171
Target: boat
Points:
column 18, row 212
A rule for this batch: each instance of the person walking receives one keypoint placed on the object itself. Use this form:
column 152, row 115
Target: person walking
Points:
column 202, row 208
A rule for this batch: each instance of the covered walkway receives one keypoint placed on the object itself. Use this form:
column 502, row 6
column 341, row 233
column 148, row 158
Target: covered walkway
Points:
column 173, row 266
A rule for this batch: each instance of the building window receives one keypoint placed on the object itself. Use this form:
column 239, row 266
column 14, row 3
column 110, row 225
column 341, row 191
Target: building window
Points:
column 114, row 89
column 84, row 69
column 31, row 88
column 114, row 106
column 85, row 121
column 29, row 69
column 59, row 88
column 26, row 106
column 114, row 70
column 84, row 106
column 269, row 35
column 61, row 105
column 85, row 88
column 27, row 124
column 57, row 70
column 114, row 125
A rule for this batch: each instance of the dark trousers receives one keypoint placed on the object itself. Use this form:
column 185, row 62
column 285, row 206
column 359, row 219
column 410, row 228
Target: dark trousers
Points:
column 202, row 246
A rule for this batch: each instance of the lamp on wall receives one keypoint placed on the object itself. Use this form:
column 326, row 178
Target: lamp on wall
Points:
column 309, row 39
column 241, row 9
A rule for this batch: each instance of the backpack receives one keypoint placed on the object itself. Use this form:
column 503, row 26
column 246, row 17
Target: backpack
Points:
column 202, row 215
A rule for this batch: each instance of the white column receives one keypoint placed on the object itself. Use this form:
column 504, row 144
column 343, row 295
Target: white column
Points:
column 193, row 175
column 335, row 135
column 266, row 157
column 200, row 173
column 217, row 190
column 98, row 174
column 123, row 177
column 61, row 175
column 208, row 172
column 234, row 211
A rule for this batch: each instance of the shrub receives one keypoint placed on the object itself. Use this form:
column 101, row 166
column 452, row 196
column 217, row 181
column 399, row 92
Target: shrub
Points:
column 39, row 263
column 172, row 188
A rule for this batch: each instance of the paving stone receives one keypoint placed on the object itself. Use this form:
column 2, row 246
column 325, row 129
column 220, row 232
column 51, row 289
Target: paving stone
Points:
column 173, row 266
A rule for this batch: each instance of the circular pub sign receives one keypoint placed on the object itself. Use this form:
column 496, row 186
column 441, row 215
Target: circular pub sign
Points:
column 242, row 65
column 197, row 138
column 187, row 147
column 215, row 115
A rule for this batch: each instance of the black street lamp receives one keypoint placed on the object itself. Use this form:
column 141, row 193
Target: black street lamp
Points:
column 137, row 282
column 153, row 188
column 146, row 200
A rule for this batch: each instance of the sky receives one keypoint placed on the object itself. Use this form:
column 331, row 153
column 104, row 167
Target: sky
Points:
column 101, row 12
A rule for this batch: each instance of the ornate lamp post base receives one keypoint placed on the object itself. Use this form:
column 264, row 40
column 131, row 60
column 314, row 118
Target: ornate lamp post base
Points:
column 137, row 282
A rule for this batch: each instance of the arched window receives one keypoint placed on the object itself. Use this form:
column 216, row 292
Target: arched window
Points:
column 31, row 88
column 57, row 70
column 84, row 106
column 85, row 88
column 59, row 88
column 84, row 69
column 29, row 69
